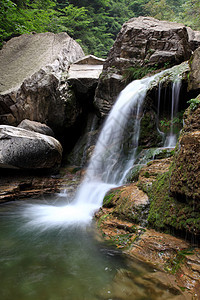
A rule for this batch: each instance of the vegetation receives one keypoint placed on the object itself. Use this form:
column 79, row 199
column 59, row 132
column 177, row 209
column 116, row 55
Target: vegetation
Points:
column 93, row 23
column 194, row 103
column 167, row 212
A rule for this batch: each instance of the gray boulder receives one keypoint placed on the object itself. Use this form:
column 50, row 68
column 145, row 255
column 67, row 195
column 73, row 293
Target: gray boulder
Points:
column 31, row 83
column 36, row 126
column 23, row 149
column 194, row 38
column 194, row 75
column 143, row 44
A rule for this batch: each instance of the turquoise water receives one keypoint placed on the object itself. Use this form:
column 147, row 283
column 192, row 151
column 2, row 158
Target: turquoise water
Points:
column 68, row 264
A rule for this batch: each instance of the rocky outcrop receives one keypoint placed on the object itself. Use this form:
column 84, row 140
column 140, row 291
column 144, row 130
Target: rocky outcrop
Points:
column 20, row 184
column 36, row 126
column 185, row 177
column 143, row 45
column 83, row 76
column 174, row 263
column 84, row 147
column 194, row 76
column 23, row 149
column 31, row 85
column 194, row 38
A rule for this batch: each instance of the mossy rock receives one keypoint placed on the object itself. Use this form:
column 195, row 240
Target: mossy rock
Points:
column 128, row 203
column 147, row 155
column 133, row 174
column 167, row 212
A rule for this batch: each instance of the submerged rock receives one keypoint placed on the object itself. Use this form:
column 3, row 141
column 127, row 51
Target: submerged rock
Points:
column 23, row 149
column 31, row 83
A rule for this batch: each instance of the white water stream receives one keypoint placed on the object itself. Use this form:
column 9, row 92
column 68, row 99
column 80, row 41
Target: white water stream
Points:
column 171, row 138
column 108, row 166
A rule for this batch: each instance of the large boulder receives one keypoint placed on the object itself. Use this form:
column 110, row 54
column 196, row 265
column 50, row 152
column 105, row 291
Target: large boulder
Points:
column 23, row 149
column 194, row 38
column 142, row 45
column 194, row 76
column 31, row 83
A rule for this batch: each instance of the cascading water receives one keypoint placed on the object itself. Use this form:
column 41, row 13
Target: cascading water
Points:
column 171, row 138
column 108, row 166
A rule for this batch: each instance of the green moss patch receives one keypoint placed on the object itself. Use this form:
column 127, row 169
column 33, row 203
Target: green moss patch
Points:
column 166, row 212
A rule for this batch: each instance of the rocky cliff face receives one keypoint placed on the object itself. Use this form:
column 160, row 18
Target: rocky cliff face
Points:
column 143, row 45
column 31, row 85
column 185, row 178
column 194, row 82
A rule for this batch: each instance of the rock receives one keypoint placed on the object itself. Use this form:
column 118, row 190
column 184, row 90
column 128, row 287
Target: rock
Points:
column 161, row 251
column 31, row 85
column 83, row 149
column 127, row 202
column 83, row 76
column 194, row 75
column 25, row 183
column 147, row 155
column 185, row 177
column 194, row 38
column 141, row 44
column 23, row 149
column 36, row 126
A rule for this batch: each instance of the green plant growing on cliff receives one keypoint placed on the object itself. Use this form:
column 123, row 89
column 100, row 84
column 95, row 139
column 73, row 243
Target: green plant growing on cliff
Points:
column 133, row 73
column 194, row 103
column 177, row 121
column 173, row 265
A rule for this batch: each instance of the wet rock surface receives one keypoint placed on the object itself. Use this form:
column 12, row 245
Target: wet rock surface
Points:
column 176, row 264
column 123, row 224
column 26, row 184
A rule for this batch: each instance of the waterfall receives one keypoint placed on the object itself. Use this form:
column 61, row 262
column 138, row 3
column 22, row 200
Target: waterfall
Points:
column 171, row 138
column 114, row 154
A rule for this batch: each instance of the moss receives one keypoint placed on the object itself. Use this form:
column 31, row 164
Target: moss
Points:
column 167, row 212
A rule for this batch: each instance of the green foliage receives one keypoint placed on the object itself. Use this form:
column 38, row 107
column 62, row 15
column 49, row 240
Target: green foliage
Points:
column 165, row 123
column 173, row 264
column 133, row 73
column 160, row 10
column 194, row 103
column 93, row 23
column 189, row 14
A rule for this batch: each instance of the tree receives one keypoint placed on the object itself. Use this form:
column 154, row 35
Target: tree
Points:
column 190, row 14
column 160, row 10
